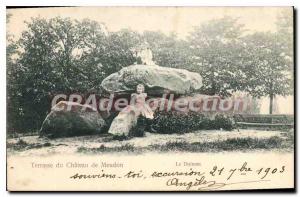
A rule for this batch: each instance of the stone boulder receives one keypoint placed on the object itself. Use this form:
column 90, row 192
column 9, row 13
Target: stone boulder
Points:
column 68, row 119
column 124, row 122
column 156, row 79
column 127, row 119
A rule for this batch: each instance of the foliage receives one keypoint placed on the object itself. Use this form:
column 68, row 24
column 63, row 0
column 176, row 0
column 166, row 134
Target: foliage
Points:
column 61, row 55
column 270, row 72
column 168, row 51
column 217, row 55
column 285, row 31
column 13, row 73
column 269, row 62
column 176, row 122
column 268, row 68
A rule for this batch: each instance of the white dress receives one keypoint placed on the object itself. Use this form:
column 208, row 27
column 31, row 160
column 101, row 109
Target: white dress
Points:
column 127, row 118
column 141, row 106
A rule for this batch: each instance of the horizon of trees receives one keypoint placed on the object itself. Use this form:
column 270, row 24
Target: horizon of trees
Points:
column 61, row 55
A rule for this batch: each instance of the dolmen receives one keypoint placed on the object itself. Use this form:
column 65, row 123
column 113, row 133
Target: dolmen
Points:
column 156, row 80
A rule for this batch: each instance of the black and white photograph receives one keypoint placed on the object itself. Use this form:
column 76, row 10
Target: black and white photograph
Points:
column 150, row 98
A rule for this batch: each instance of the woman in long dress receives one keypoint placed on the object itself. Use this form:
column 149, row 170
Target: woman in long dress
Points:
column 140, row 104
column 127, row 118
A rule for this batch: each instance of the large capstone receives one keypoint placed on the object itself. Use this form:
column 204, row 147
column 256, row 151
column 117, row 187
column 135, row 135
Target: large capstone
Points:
column 156, row 79
column 68, row 119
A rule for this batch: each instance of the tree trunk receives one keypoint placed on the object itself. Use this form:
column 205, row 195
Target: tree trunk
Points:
column 271, row 104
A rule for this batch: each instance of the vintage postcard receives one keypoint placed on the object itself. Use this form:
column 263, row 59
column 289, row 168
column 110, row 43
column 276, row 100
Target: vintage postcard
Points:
column 150, row 98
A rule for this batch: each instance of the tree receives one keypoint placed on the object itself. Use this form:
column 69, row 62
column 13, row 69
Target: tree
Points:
column 285, row 31
column 120, row 50
column 269, row 71
column 217, row 55
column 13, row 71
column 55, row 58
column 168, row 51
column 61, row 55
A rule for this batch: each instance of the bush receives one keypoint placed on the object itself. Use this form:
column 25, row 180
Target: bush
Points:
column 176, row 122
column 223, row 122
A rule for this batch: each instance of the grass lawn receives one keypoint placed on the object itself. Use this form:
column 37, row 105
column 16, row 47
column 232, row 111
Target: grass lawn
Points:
column 199, row 141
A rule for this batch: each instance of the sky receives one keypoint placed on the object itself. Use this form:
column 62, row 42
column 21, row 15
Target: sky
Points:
column 165, row 19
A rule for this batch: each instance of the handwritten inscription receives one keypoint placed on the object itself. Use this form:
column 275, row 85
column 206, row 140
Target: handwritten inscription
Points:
column 193, row 179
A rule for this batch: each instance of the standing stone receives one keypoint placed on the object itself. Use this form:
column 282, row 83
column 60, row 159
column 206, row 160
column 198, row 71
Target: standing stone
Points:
column 124, row 122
